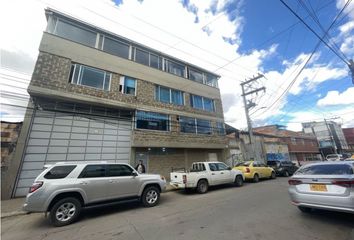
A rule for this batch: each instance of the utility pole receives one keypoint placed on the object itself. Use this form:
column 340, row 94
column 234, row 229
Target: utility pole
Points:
column 351, row 68
column 248, row 105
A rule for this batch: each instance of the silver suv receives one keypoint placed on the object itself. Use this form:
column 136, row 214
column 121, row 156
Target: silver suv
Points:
column 63, row 189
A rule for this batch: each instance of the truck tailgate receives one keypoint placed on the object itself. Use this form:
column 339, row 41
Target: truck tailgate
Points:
column 177, row 177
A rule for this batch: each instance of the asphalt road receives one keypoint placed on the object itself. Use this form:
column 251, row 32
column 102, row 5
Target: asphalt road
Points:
column 255, row 211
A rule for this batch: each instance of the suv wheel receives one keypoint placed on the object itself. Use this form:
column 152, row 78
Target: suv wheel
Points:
column 256, row 178
column 151, row 196
column 202, row 186
column 65, row 211
column 238, row 181
column 286, row 174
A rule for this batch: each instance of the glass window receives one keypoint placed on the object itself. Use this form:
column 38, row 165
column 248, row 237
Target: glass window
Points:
column 91, row 77
column 175, row 68
column 93, row 171
column 211, row 80
column 59, row 172
column 220, row 128
column 203, row 126
column 176, row 97
column 116, row 48
column 75, row 33
column 208, row 104
column 129, row 86
column 142, row 57
column 151, row 120
column 222, row 167
column 195, row 75
column 164, row 95
column 196, row 101
column 187, row 125
column 326, row 169
column 213, row 167
column 154, row 61
column 116, row 170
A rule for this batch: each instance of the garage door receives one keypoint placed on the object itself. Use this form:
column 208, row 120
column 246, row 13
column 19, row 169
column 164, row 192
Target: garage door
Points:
column 58, row 137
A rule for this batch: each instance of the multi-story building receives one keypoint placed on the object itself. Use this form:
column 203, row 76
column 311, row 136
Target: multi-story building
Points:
column 99, row 96
column 301, row 146
column 349, row 137
column 329, row 135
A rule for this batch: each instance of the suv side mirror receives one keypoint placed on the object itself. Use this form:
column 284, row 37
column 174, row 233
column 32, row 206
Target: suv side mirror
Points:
column 135, row 174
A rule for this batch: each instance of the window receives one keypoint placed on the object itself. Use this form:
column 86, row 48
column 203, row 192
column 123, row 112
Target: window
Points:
column 167, row 95
column 93, row 171
column 211, row 80
column 193, row 125
column 117, row 48
column 202, row 103
column 155, row 61
column 91, row 77
column 187, row 125
column 116, row 170
column 220, row 128
column 203, row 126
column 195, row 75
column 330, row 169
column 128, row 85
column 222, row 167
column 75, row 33
column 152, row 121
column 59, row 172
column 174, row 68
column 213, row 167
column 142, row 56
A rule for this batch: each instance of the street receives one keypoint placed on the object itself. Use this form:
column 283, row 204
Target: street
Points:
column 255, row 211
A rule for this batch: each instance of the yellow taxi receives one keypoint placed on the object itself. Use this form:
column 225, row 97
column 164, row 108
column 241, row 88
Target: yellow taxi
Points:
column 255, row 170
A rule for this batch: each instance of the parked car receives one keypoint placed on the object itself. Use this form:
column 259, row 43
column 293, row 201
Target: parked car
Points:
column 283, row 168
column 63, row 189
column 205, row 174
column 334, row 157
column 326, row 185
column 255, row 170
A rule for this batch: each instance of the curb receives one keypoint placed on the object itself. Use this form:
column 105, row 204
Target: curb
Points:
column 12, row 214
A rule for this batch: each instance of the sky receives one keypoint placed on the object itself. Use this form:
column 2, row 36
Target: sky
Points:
column 236, row 39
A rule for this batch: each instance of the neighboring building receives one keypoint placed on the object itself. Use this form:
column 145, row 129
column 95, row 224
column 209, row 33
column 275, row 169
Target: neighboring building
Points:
column 301, row 146
column 9, row 134
column 349, row 137
column 99, row 96
column 329, row 135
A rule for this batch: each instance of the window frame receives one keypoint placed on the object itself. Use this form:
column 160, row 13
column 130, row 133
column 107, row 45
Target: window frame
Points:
column 122, row 85
column 158, row 95
column 192, row 102
column 108, row 166
column 78, row 81
column 168, row 125
column 81, row 175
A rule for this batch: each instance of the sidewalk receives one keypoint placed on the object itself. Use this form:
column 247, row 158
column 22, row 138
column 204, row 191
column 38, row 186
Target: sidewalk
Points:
column 13, row 207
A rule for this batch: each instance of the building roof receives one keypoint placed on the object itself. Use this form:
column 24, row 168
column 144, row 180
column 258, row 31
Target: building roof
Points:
column 279, row 131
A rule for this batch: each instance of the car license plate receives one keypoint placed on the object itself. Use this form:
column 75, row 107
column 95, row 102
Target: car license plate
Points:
column 318, row 187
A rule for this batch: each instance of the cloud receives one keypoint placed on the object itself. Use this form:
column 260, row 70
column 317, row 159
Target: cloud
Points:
column 18, row 61
column 335, row 98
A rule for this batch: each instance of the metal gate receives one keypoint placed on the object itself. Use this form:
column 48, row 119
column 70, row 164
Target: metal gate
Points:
column 57, row 137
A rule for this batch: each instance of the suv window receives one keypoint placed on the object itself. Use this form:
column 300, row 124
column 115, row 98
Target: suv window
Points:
column 221, row 166
column 59, row 172
column 117, row 170
column 93, row 171
column 213, row 167
column 331, row 169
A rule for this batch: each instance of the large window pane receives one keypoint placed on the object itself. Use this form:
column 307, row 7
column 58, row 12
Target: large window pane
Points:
column 142, row 57
column 129, row 86
column 195, row 75
column 220, row 128
column 154, row 61
column 151, row 120
column 116, row 48
column 203, row 126
column 175, row 68
column 211, row 80
column 75, row 33
column 164, row 95
column 177, row 97
column 208, row 104
column 92, row 77
column 93, row 171
column 187, row 125
column 196, row 102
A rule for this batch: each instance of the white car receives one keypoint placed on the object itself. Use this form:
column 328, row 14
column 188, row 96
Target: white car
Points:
column 334, row 157
column 205, row 174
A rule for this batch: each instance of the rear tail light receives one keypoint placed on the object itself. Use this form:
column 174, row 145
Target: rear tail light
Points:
column 343, row 183
column 294, row 182
column 35, row 186
column 184, row 179
column 248, row 170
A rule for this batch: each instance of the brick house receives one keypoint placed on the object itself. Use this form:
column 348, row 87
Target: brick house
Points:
column 99, row 96
column 302, row 147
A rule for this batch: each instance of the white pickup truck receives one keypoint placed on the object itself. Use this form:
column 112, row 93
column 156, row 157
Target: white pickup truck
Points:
column 205, row 174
